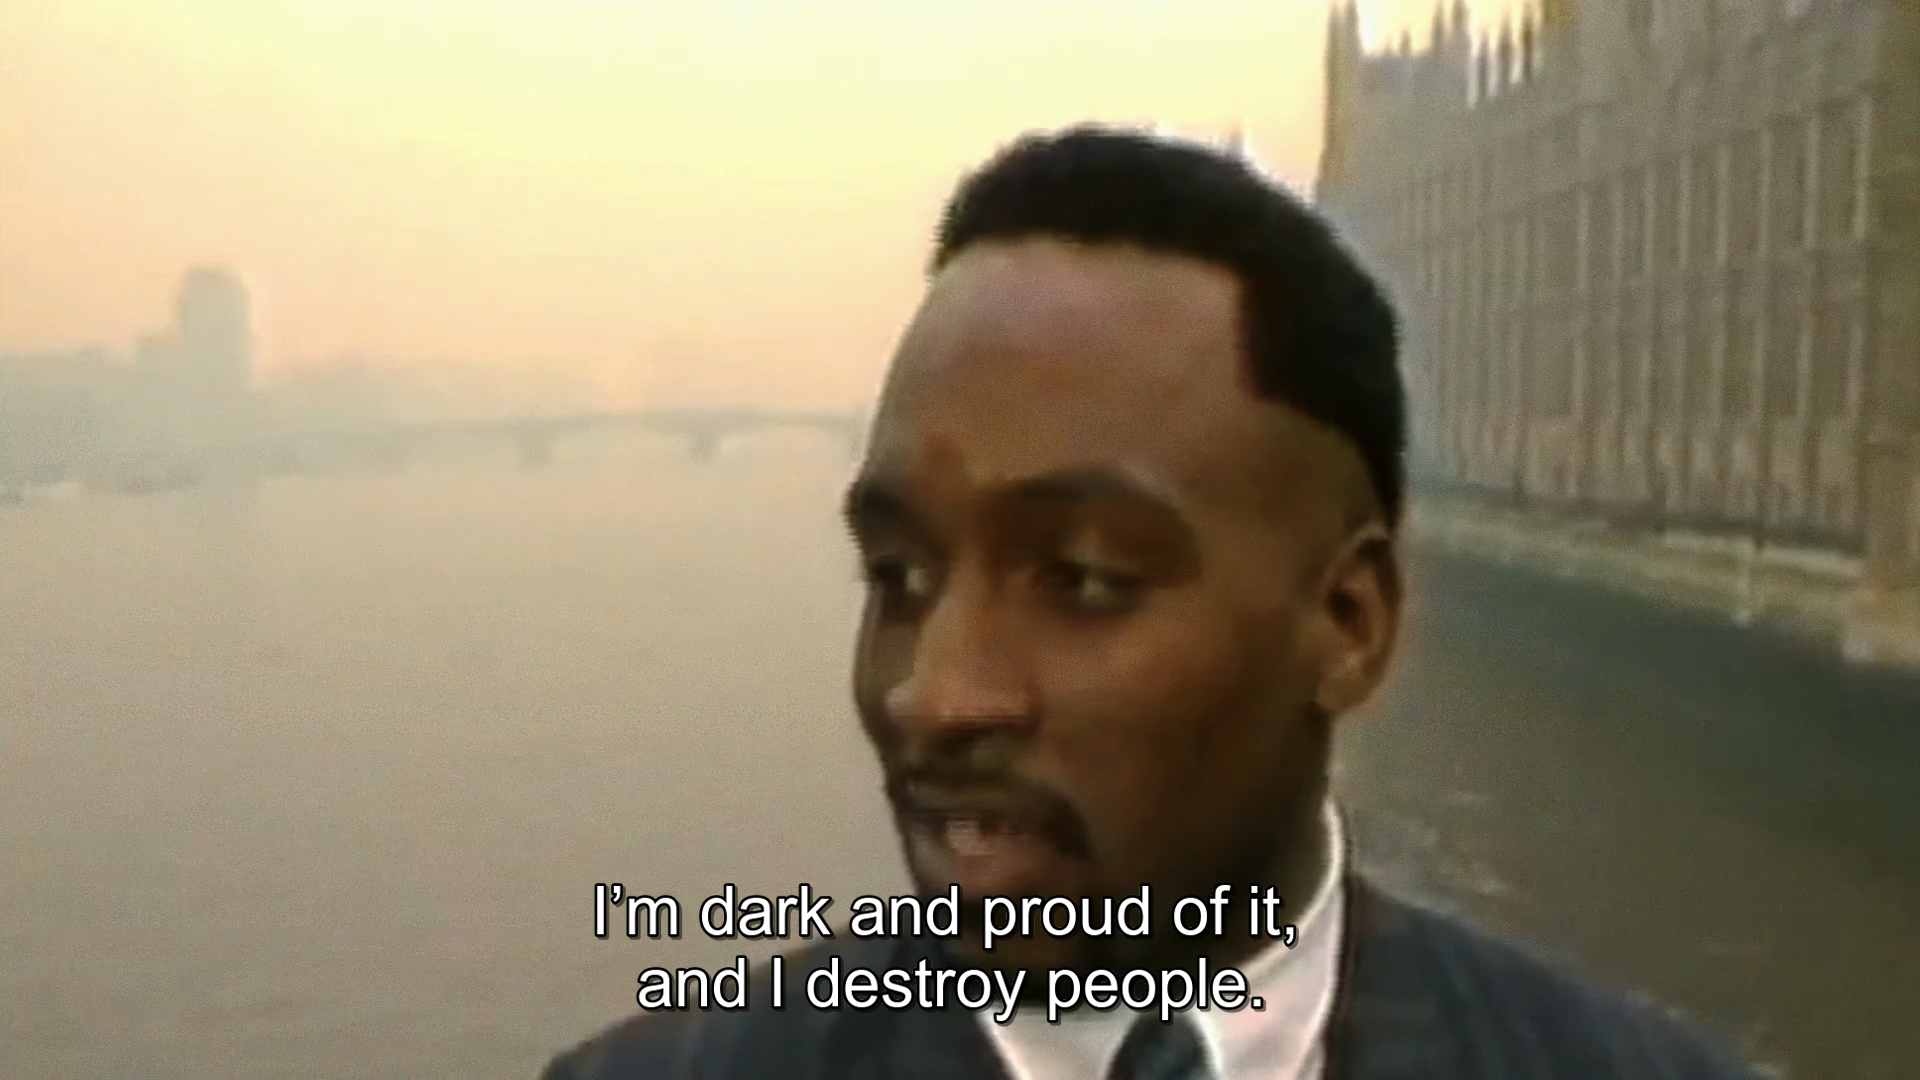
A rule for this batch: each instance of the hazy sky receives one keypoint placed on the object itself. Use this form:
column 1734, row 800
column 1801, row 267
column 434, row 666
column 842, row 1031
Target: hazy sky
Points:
column 720, row 198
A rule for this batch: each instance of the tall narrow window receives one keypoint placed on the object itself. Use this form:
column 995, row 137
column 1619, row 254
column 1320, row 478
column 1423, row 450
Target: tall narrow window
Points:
column 1603, row 229
column 1697, row 355
column 1787, row 176
column 1703, row 220
column 1839, row 157
column 1782, row 351
column 1743, row 207
column 1831, row 361
column 1737, row 387
column 1667, row 177
column 1633, row 224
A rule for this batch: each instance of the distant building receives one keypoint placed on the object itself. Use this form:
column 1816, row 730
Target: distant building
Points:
column 186, row 391
column 1659, row 259
column 212, row 340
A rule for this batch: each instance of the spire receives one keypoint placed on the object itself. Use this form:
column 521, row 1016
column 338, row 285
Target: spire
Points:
column 1343, row 55
column 1438, row 36
column 1343, row 29
column 1503, row 56
column 1343, row 33
column 1529, row 45
column 1483, row 85
column 1458, row 51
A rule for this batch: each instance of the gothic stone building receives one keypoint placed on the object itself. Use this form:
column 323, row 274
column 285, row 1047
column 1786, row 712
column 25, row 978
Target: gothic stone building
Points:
column 1659, row 260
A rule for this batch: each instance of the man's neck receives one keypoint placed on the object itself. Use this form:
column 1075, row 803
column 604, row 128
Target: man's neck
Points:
column 1297, row 874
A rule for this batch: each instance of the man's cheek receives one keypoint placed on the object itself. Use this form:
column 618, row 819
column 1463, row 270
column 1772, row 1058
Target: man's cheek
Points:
column 1126, row 828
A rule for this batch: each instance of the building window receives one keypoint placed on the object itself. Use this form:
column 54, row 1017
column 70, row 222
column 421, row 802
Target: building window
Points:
column 1603, row 229
column 1782, row 506
column 1782, row 350
column 1667, row 178
column 1744, row 188
column 1556, row 365
column 1787, row 180
column 1737, row 378
column 1697, row 356
column 1641, row 351
column 1863, row 168
column 1560, row 239
column 1831, row 362
column 1839, row 511
column 1857, row 346
column 1668, row 351
column 1703, row 212
column 1713, row 383
column 1597, row 371
column 1839, row 157
column 1633, row 224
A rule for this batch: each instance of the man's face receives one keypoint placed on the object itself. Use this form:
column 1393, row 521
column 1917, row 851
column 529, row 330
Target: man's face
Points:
column 1113, row 593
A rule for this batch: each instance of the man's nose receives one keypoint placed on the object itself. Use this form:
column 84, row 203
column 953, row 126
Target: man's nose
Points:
column 967, row 673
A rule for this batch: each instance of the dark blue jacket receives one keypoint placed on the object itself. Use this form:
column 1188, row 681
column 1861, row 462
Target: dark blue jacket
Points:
column 1421, row 997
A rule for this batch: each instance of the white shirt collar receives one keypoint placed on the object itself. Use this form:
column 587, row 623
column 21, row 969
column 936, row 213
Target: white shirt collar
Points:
column 1281, row 1041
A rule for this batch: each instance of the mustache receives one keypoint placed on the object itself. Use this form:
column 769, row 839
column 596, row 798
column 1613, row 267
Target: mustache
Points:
column 960, row 779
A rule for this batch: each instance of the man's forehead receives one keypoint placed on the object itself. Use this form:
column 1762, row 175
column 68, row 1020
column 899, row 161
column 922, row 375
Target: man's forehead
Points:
column 1033, row 357
column 1055, row 303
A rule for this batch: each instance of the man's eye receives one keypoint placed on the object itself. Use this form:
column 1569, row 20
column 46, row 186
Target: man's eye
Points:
column 900, row 580
column 1093, row 590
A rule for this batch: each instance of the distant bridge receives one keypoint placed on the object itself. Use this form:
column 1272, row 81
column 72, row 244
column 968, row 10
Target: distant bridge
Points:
column 704, row 430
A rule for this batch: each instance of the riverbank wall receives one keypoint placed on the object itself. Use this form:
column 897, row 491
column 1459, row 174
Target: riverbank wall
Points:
column 1822, row 599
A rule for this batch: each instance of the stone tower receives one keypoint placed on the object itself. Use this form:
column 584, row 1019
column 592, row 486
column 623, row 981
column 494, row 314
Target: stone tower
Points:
column 213, row 333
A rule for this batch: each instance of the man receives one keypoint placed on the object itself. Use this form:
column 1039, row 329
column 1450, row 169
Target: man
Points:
column 1129, row 517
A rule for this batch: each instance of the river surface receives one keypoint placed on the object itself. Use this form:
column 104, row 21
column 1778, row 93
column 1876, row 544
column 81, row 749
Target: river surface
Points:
column 315, row 780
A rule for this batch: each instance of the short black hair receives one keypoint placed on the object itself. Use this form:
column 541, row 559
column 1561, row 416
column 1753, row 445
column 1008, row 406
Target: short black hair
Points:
column 1320, row 333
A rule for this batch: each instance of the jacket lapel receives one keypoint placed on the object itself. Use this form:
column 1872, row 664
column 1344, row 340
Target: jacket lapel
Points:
column 1389, row 1020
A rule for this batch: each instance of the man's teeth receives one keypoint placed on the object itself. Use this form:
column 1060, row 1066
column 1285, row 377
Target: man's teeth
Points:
column 975, row 837
column 964, row 837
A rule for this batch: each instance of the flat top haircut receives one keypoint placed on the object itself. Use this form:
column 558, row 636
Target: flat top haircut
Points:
column 1319, row 333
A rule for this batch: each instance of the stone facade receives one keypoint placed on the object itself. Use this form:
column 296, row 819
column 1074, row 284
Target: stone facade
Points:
column 1659, row 261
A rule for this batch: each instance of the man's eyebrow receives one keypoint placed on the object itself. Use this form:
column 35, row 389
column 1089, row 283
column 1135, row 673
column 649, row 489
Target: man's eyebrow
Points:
column 881, row 500
column 872, row 500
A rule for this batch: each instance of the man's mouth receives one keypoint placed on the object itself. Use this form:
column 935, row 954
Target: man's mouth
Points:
column 975, row 835
column 967, row 819
column 999, row 844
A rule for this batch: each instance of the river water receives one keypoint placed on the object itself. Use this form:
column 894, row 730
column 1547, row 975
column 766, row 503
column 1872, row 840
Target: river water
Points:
column 316, row 779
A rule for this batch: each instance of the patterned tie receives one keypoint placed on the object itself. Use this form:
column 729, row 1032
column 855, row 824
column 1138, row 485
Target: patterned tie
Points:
column 1157, row 1051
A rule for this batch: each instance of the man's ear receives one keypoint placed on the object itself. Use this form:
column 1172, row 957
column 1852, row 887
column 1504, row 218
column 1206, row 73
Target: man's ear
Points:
column 1360, row 602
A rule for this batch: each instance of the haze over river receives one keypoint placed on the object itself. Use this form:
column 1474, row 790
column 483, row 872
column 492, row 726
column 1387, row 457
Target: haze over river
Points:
column 316, row 780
